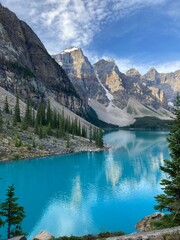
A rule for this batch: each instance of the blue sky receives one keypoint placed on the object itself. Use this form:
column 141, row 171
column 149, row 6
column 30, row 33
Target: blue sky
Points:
column 135, row 33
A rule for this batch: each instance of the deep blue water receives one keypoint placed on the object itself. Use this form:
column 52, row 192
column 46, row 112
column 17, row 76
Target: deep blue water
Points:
column 86, row 193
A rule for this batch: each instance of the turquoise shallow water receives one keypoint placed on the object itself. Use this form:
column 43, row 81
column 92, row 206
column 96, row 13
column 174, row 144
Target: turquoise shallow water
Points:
column 90, row 192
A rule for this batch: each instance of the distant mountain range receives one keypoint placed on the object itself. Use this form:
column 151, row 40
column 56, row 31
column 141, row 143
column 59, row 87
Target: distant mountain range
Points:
column 116, row 97
column 99, row 93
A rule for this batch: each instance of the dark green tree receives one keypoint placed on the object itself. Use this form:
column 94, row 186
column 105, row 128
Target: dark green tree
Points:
column 48, row 113
column 12, row 213
column 170, row 199
column 68, row 143
column 99, row 138
column 84, row 132
column 41, row 116
column 1, row 121
column 17, row 116
column 28, row 114
column 90, row 134
column 6, row 106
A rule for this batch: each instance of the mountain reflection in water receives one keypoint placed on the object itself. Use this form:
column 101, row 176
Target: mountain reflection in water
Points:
column 86, row 193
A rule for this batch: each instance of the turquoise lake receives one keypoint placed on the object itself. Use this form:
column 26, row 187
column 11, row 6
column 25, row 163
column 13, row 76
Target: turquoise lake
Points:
column 87, row 193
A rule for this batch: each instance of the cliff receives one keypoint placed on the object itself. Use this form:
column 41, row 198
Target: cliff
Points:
column 28, row 70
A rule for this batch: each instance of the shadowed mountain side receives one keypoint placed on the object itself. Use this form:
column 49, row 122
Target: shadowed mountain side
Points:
column 28, row 70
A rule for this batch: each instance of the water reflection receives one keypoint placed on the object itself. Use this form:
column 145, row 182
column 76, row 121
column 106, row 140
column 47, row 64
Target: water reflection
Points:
column 90, row 192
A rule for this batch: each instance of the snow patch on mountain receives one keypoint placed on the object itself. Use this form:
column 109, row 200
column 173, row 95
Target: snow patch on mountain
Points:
column 68, row 50
column 108, row 94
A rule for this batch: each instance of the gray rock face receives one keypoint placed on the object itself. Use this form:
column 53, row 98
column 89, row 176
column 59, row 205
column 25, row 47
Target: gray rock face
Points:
column 110, row 75
column 152, row 75
column 167, row 82
column 104, row 83
column 18, row 238
column 81, row 73
column 27, row 69
column 145, row 224
column 123, row 87
column 43, row 235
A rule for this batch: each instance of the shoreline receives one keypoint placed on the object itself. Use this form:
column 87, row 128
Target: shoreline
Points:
column 28, row 155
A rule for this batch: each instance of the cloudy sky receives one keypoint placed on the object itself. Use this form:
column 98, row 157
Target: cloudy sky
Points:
column 135, row 33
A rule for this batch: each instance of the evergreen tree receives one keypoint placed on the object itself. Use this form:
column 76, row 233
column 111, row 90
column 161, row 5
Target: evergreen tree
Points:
column 99, row 138
column 28, row 114
column 48, row 113
column 170, row 199
column 90, row 134
column 17, row 116
column 54, row 120
column 12, row 213
column 6, row 106
column 41, row 116
column 68, row 143
column 1, row 121
column 84, row 132
column 33, row 118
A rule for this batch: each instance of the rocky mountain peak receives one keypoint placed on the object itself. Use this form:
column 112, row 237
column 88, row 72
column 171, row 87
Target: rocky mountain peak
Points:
column 110, row 63
column 27, row 69
column 80, row 72
column 109, row 74
column 132, row 72
column 74, row 52
column 152, row 75
column 74, row 62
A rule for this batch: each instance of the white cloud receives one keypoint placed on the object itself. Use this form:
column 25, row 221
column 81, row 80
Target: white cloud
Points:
column 72, row 22
column 124, row 64
column 168, row 67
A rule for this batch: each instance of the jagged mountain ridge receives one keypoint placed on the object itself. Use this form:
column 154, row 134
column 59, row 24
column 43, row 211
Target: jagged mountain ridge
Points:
column 81, row 73
column 168, row 82
column 119, row 89
column 28, row 70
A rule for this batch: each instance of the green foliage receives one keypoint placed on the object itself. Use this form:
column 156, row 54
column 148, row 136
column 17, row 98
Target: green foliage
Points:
column 49, row 113
column 12, row 214
column 29, row 147
column 6, row 106
column 17, row 141
column 26, row 72
column 17, row 116
column 41, row 116
column 170, row 199
column 99, row 138
column 68, row 143
column 33, row 143
column 90, row 134
column 92, row 237
column 151, row 123
column 84, row 132
column 1, row 121
column 27, row 121
column 165, row 222
column 15, row 156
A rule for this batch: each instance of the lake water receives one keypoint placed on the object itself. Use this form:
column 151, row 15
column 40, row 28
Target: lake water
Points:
column 86, row 193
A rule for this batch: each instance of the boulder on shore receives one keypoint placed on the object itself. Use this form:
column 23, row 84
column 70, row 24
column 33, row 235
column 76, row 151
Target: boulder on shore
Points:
column 18, row 238
column 145, row 224
column 43, row 236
